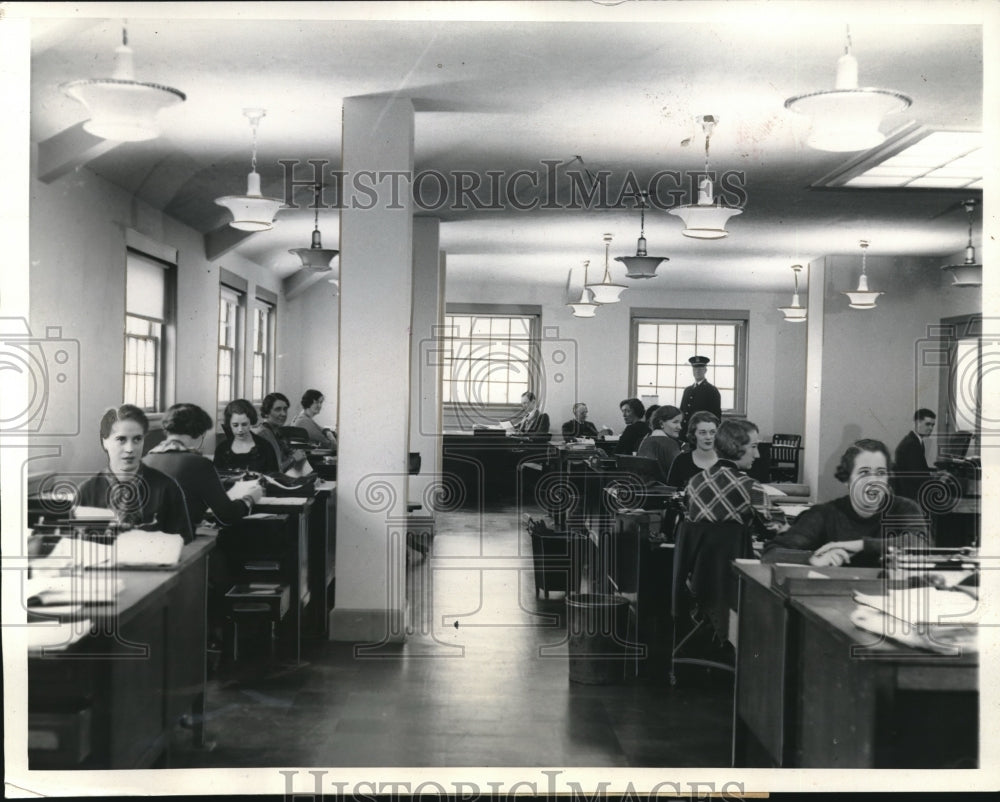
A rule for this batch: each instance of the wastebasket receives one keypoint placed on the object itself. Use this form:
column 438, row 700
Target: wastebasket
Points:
column 598, row 626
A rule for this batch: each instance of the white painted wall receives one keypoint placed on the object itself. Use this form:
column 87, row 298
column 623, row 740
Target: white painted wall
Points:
column 77, row 282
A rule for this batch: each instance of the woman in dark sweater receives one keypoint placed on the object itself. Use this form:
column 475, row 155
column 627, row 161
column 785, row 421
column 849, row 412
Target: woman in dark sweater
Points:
column 242, row 450
column 701, row 454
column 179, row 456
column 635, row 426
column 856, row 528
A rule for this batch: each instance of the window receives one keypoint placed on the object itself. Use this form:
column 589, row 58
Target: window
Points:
column 489, row 359
column 263, row 350
column 661, row 346
column 149, row 302
column 230, row 352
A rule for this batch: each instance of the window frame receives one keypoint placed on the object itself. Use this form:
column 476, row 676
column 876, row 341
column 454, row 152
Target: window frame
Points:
column 238, row 302
column 470, row 411
column 270, row 327
column 164, row 376
column 739, row 317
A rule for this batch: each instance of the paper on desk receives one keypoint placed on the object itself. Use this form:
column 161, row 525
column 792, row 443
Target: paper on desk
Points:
column 244, row 487
column 771, row 490
column 94, row 512
column 89, row 588
column 924, row 605
column 951, row 640
column 283, row 501
column 147, row 549
column 56, row 636
column 794, row 510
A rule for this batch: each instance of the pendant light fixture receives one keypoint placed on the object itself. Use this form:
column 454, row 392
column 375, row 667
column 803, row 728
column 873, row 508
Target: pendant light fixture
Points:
column 253, row 211
column 585, row 307
column 641, row 265
column 121, row 108
column 862, row 297
column 970, row 272
column 705, row 219
column 847, row 118
column 316, row 257
column 606, row 292
column 796, row 313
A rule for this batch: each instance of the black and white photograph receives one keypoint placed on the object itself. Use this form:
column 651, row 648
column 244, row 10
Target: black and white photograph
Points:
column 489, row 399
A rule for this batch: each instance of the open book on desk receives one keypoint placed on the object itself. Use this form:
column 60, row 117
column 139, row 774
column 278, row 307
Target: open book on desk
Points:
column 132, row 549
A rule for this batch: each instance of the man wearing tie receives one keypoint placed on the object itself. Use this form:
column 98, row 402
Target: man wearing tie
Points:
column 911, row 467
column 702, row 396
column 530, row 420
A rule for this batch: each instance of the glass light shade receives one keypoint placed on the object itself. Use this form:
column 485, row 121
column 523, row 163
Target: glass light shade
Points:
column 796, row 313
column 584, row 307
column 641, row 266
column 606, row 292
column 253, row 211
column 966, row 275
column 315, row 257
column 705, row 221
column 862, row 297
column 121, row 108
column 847, row 119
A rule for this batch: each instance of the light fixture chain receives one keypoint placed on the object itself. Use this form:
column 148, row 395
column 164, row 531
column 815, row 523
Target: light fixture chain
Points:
column 125, row 32
column 253, row 157
column 848, row 45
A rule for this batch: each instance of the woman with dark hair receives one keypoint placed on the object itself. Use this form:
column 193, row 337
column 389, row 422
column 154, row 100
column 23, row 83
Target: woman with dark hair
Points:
column 242, row 450
column 179, row 456
column 635, row 426
column 140, row 496
column 856, row 528
column 274, row 416
column 701, row 456
column 662, row 443
column 724, row 492
column 312, row 404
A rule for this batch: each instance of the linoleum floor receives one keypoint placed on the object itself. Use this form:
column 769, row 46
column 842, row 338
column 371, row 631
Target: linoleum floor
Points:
column 482, row 680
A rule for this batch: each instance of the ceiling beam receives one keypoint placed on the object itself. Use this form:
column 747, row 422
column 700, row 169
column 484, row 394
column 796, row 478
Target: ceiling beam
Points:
column 302, row 280
column 67, row 150
column 222, row 240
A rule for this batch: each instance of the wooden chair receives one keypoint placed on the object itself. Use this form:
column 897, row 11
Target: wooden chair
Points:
column 785, row 450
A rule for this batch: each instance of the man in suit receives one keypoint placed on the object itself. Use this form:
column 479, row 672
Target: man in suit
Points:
column 530, row 420
column 702, row 396
column 911, row 468
column 578, row 425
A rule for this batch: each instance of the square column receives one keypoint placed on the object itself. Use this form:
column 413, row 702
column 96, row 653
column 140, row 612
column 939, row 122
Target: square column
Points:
column 376, row 257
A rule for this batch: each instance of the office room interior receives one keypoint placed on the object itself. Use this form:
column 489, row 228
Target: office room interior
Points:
column 595, row 105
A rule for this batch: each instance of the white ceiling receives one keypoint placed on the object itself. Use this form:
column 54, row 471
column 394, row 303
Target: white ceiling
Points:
column 616, row 85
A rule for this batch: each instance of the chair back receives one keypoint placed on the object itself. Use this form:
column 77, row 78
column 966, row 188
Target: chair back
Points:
column 785, row 450
column 152, row 439
column 702, row 570
column 294, row 434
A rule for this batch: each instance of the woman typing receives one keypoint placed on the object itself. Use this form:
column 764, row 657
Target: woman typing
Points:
column 312, row 405
column 140, row 496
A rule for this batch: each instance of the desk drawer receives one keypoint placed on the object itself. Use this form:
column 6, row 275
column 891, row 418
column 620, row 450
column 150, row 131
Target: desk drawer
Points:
column 59, row 739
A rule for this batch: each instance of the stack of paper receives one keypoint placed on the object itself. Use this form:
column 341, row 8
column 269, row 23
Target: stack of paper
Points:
column 924, row 605
column 54, row 637
column 88, row 588
column 136, row 548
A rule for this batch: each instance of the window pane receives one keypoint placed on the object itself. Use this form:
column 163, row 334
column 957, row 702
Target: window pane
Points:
column 145, row 287
column 480, row 326
column 724, row 377
column 645, row 375
column 706, row 334
column 647, row 333
column 727, row 399
column 667, row 354
column 646, row 354
column 726, row 335
column 725, row 355
column 686, row 333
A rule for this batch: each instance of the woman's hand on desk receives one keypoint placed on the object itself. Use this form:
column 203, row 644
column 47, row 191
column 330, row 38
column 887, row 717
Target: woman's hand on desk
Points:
column 836, row 552
column 246, row 489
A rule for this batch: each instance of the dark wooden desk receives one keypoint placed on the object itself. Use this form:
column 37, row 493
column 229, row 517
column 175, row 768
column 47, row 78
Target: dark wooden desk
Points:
column 322, row 557
column 486, row 467
column 879, row 704
column 111, row 700
column 803, row 699
column 290, row 524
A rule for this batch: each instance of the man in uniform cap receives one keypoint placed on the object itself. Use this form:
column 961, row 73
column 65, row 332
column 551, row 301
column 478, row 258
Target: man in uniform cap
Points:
column 700, row 396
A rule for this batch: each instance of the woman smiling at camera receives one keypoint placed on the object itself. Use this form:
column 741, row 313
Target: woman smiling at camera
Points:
column 242, row 450
column 140, row 496
column 701, row 438
column 662, row 444
column 856, row 528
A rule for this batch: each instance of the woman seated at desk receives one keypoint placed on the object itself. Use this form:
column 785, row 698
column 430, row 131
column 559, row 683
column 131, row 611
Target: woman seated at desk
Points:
column 140, row 496
column 242, row 450
column 274, row 415
column 702, row 456
column 858, row 527
column 724, row 492
column 662, row 444
column 312, row 405
column 635, row 426
column 179, row 456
